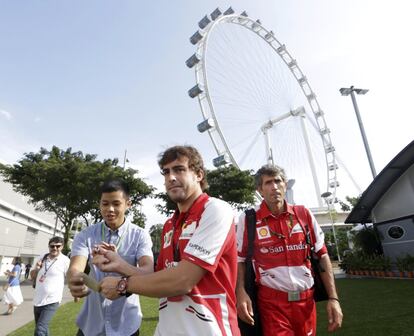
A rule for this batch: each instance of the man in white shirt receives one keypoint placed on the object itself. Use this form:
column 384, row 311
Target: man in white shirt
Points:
column 49, row 274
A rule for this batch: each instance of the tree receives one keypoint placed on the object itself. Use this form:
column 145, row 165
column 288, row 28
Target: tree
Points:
column 350, row 203
column 167, row 207
column 227, row 183
column 138, row 217
column 367, row 241
column 232, row 185
column 155, row 234
column 342, row 240
column 67, row 183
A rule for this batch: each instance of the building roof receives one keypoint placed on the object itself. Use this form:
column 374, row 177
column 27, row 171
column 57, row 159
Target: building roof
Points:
column 361, row 213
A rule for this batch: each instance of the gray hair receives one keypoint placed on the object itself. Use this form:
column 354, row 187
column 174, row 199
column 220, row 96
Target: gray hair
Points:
column 269, row 170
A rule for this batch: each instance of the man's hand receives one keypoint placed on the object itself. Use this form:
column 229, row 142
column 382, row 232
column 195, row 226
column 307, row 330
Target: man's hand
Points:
column 335, row 315
column 98, row 253
column 103, row 247
column 38, row 265
column 244, row 307
column 111, row 262
column 99, row 260
column 77, row 286
column 108, row 287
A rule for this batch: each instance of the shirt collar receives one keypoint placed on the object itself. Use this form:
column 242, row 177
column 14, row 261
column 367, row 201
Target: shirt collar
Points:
column 264, row 210
column 119, row 231
column 194, row 208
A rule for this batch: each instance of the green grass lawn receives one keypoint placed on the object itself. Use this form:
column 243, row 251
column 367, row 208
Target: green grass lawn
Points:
column 63, row 323
column 373, row 307
column 370, row 306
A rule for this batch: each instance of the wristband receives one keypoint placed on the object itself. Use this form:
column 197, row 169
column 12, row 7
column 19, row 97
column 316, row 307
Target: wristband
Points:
column 335, row 299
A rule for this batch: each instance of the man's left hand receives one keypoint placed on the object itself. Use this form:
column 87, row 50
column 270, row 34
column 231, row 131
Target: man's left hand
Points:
column 335, row 315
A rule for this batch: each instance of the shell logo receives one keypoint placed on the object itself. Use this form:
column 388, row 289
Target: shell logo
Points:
column 263, row 232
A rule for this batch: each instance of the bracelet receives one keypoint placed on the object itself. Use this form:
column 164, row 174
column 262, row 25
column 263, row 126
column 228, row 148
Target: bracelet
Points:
column 336, row 299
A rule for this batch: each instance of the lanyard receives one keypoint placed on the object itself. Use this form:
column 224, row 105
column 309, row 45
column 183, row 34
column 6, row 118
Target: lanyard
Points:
column 118, row 242
column 48, row 268
column 176, row 246
column 280, row 235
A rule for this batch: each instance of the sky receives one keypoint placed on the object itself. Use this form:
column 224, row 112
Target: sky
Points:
column 108, row 76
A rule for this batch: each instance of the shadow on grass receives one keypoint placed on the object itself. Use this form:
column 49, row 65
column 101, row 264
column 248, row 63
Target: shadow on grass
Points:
column 148, row 319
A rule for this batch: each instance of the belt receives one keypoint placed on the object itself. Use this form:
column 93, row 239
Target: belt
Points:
column 271, row 293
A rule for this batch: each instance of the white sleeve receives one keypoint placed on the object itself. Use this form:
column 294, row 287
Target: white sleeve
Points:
column 66, row 265
column 210, row 236
column 319, row 235
column 144, row 245
column 241, row 225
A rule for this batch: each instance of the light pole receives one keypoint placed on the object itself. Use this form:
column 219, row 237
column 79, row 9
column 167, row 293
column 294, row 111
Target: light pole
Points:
column 350, row 91
column 328, row 200
column 125, row 159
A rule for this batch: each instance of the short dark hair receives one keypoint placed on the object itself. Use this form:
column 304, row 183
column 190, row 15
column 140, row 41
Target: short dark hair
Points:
column 115, row 185
column 56, row 240
column 269, row 170
column 17, row 260
column 195, row 161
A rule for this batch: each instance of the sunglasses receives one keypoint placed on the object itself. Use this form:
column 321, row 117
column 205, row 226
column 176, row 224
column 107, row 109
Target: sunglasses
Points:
column 55, row 246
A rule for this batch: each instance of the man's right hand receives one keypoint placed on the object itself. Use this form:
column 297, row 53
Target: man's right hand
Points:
column 77, row 286
column 244, row 307
column 39, row 265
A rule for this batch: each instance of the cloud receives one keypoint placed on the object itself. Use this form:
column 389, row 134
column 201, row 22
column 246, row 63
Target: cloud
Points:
column 7, row 115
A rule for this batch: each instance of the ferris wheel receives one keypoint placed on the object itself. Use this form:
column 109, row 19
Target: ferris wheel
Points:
column 258, row 106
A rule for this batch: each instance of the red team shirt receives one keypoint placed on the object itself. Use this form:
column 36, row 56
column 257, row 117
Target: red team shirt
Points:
column 205, row 236
column 280, row 249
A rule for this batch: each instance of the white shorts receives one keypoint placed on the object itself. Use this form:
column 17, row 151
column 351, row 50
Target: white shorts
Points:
column 13, row 296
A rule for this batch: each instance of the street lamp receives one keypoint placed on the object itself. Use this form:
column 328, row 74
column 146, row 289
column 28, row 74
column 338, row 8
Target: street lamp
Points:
column 328, row 200
column 350, row 91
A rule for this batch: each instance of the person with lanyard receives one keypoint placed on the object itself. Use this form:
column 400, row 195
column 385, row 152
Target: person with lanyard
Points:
column 281, row 263
column 49, row 276
column 197, row 264
column 100, row 316
column 13, row 296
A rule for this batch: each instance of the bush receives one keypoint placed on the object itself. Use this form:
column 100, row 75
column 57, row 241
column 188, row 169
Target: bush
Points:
column 368, row 242
column 405, row 263
column 358, row 261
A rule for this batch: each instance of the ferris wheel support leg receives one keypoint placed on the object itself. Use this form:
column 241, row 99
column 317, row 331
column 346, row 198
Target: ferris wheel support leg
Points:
column 269, row 153
column 302, row 117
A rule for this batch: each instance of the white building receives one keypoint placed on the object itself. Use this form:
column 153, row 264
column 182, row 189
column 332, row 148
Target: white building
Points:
column 388, row 204
column 24, row 232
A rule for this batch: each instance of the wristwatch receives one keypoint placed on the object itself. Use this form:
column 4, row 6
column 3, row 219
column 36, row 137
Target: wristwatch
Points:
column 122, row 285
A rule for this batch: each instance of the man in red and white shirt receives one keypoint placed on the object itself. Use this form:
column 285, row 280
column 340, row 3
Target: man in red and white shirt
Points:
column 281, row 264
column 197, row 265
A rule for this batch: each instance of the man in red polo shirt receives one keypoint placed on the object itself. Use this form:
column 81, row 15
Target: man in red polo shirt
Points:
column 283, row 271
column 197, row 264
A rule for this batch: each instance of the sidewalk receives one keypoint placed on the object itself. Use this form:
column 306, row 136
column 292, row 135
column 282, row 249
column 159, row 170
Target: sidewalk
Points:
column 24, row 312
column 338, row 272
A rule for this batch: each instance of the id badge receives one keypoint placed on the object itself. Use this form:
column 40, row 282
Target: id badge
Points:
column 42, row 278
column 293, row 296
